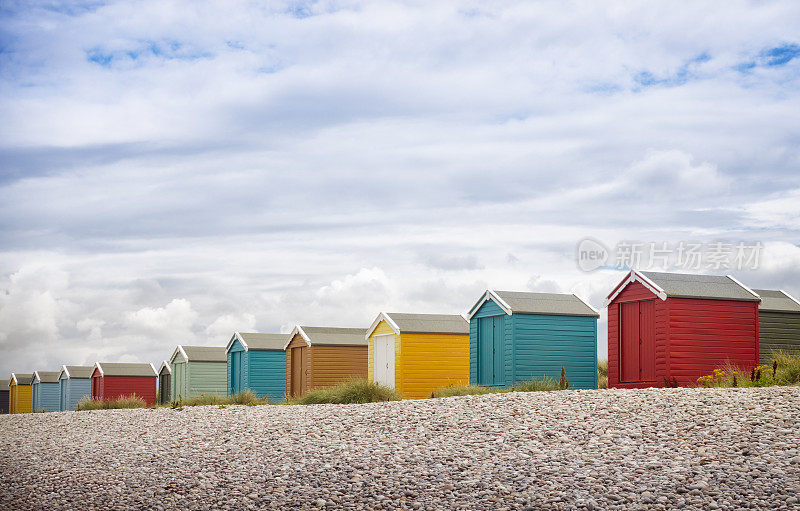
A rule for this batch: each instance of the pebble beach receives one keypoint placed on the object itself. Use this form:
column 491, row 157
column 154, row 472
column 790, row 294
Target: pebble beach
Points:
column 597, row 449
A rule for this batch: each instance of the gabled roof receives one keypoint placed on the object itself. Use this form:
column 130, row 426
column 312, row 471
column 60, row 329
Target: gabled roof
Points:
column 686, row 285
column 125, row 369
column 76, row 371
column 516, row 302
column 777, row 300
column 20, row 379
column 329, row 336
column 164, row 365
column 200, row 353
column 45, row 376
column 258, row 342
column 422, row 323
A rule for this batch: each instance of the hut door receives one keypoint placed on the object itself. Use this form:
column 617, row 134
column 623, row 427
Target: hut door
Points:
column 236, row 372
column 384, row 360
column 491, row 359
column 637, row 342
column 298, row 372
column 62, row 404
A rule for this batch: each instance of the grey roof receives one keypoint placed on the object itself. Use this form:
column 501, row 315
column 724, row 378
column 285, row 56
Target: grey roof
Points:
column 126, row 369
column 331, row 336
column 22, row 379
column 48, row 376
column 206, row 353
column 80, row 371
column 684, row 285
column 546, row 303
column 776, row 301
column 264, row 341
column 430, row 323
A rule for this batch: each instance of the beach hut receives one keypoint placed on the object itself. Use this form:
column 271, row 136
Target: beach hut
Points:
column 319, row 357
column 257, row 362
column 45, row 395
column 778, row 324
column 198, row 370
column 19, row 393
column 74, row 384
column 164, row 383
column 114, row 380
column 520, row 336
column 666, row 327
column 415, row 354
column 3, row 397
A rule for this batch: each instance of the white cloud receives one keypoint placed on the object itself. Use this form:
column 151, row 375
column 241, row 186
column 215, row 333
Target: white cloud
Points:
column 176, row 319
column 225, row 325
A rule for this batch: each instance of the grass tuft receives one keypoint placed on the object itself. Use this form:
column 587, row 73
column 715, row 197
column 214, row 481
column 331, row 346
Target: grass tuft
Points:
column 783, row 369
column 132, row 401
column 535, row 385
column 349, row 392
column 242, row 398
column 602, row 374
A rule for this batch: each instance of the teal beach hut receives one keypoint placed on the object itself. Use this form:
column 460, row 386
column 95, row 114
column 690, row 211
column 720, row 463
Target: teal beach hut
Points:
column 45, row 392
column 519, row 336
column 197, row 370
column 257, row 362
column 74, row 384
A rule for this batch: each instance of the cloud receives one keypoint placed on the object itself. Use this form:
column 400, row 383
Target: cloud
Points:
column 227, row 324
column 176, row 319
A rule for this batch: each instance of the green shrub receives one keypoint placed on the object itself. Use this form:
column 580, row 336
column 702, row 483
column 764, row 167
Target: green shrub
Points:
column 467, row 390
column 535, row 385
column 602, row 374
column 353, row 391
column 540, row 385
column 242, row 398
column 132, row 401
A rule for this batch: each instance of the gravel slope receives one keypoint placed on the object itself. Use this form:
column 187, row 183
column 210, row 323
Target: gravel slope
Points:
column 666, row 448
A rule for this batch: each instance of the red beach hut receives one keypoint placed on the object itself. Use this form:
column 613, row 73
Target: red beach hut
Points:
column 114, row 380
column 672, row 326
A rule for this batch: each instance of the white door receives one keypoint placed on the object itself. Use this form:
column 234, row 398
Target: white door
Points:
column 384, row 360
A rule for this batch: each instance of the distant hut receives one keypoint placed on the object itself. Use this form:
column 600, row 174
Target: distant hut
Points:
column 198, row 370
column 164, row 383
column 416, row 354
column 45, row 395
column 257, row 362
column 3, row 397
column 319, row 357
column 114, row 380
column 74, row 385
column 778, row 324
column 19, row 393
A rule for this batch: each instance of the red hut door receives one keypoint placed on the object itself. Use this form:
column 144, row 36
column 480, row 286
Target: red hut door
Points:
column 96, row 387
column 637, row 342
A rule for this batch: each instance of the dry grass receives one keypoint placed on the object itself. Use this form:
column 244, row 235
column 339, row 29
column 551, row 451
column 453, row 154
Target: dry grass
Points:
column 353, row 391
column 132, row 401
column 602, row 374
column 535, row 385
column 242, row 398
column 782, row 369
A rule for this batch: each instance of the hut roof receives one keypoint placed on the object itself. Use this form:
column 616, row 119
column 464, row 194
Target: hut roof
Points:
column 329, row 336
column 125, row 369
column 774, row 300
column 422, row 323
column 516, row 302
column 255, row 341
column 76, row 371
column 46, row 376
column 201, row 353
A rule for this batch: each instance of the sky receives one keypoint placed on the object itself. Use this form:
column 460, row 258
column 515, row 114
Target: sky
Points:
column 172, row 172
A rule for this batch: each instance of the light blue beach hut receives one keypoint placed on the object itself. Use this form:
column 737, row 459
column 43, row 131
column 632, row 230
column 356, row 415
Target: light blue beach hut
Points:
column 74, row 384
column 44, row 391
column 257, row 362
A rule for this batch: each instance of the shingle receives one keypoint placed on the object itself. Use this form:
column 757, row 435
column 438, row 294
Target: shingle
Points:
column 546, row 303
column 206, row 353
column 256, row 341
column 330, row 336
column 48, row 376
column 80, row 371
column 684, row 285
column 776, row 301
column 430, row 323
column 126, row 369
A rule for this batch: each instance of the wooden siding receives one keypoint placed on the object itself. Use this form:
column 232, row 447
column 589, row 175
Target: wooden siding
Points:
column 45, row 397
column 778, row 331
column 77, row 389
column 267, row 374
column 179, row 382
column 488, row 309
column 206, row 378
column 164, row 387
column 545, row 343
column 4, row 401
column 19, row 398
column 705, row 334
column 431, row 362
column 331, row 365
column 298, row 349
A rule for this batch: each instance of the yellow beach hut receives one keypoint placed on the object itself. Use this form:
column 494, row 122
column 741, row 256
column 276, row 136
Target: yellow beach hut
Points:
column 19, row 393
column 416, row 354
